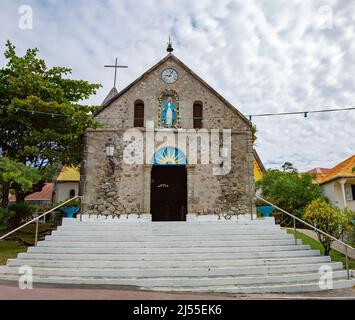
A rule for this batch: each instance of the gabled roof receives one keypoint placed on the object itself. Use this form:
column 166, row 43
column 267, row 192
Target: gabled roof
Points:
column 107, row 102
column 44, row 195
column 69, row 174
column 318, row 170
column 345, row 169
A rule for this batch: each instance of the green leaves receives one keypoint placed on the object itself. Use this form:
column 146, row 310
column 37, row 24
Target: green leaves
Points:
column 41, row 118
column 288, row 189
column 40, row 114
column 331, row 220
column 16, row 172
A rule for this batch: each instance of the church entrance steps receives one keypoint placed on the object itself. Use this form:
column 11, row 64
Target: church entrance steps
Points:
column 168, row 256
column 136, row 271
column 203, row 284
column 167, row 263
column 162, row 244
column 143, row 250
column 197, row 256
column 171, row 238
column 206, row 220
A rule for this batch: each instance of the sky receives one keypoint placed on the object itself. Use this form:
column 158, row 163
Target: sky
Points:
column 263, row 56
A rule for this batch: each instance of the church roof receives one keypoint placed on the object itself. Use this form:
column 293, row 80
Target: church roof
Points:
column 113, row 92
column 109, row 100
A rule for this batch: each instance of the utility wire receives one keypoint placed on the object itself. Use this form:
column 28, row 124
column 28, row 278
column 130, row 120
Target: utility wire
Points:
column 250, row 116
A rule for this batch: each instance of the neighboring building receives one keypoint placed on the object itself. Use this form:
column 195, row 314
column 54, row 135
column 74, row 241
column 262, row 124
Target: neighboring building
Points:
column 338, row 183
column 166, row 185
column 67, row 184
column 42, row 198
column 259, row 168
column 318, row 173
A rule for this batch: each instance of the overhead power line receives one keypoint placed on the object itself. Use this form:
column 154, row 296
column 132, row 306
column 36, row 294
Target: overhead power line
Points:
column 250, row 116
column 305, row 113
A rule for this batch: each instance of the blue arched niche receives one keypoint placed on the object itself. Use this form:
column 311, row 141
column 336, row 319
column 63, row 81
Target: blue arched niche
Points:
column 169, row 156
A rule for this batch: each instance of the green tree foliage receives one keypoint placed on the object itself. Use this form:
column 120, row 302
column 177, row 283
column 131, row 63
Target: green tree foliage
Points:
column 29, row 90
column 16, row 174
column 333, row 221
column 288, row 189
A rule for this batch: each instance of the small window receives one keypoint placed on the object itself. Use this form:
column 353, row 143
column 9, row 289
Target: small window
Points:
column 197, row 115
column 353, row 190
column 139, row 114
column 72, row 193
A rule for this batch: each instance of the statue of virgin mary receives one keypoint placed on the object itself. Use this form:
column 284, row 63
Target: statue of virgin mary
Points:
column 168, row 116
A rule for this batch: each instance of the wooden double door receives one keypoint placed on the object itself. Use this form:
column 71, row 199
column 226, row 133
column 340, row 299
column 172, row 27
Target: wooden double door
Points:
column 168, row 193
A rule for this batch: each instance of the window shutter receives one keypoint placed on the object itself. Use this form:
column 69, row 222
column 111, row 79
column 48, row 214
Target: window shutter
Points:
column 348, row 192
column 139, row 115
column 197, row 115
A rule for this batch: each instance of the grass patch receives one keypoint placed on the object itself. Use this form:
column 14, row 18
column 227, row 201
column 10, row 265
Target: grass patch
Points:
column 20, row 240
column 336, row 256
column 10, row 249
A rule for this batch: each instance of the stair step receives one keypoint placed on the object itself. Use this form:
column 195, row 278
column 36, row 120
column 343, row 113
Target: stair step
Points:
column 166, row 263
column 169, row 256
column 181, row 271
column 188, row 283
column 178, row 250
column 158, row 238
column 278, row 288
column 165, row 233
column 163, row 244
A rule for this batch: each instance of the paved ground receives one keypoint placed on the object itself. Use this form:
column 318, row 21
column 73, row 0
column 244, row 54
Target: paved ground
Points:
column 10, row 291
column 335, row 245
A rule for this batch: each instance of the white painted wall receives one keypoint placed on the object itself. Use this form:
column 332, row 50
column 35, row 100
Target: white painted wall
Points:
column 62, row 190
column 332, row 190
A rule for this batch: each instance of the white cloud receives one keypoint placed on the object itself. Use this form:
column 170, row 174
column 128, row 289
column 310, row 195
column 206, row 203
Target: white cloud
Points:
column 263, row 56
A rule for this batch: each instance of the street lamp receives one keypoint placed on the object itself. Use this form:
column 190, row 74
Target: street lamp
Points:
column 110, row 149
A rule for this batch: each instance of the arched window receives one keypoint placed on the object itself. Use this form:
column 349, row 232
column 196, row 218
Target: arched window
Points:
column 138, row 114
column 72, row 193
column 197, row 114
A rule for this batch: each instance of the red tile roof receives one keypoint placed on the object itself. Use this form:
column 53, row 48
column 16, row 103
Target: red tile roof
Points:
column 44, row 195
column 318, row 170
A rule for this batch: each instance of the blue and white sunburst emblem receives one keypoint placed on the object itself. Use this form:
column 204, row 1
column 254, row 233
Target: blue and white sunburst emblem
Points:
column 169, row 157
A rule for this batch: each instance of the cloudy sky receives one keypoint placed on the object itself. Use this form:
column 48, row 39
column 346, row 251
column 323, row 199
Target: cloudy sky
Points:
column 262, row 55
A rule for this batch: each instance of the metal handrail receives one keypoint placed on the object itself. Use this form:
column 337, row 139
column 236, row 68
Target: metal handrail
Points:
column 39, row 217
column 346, row 246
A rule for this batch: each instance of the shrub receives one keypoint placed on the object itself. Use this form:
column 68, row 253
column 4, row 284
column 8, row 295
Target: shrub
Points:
column 331, row 220
column 288, row 189
column 17, row 212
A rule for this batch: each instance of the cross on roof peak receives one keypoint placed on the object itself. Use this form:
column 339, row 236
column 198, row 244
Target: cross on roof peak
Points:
column 116, row 66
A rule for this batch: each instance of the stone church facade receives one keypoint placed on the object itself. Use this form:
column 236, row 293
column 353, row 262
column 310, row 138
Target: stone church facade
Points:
column 171, row 98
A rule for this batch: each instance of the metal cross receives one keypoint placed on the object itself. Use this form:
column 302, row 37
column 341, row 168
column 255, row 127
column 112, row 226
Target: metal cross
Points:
column 116, row 66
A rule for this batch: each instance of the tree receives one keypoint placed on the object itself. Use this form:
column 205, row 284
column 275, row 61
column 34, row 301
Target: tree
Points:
column 16, row 173
column 288, row 189
column 41, row 120
column 288, row 167
column 333, row 221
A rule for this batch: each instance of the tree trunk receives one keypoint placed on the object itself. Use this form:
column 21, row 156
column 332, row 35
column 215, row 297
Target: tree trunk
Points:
column 327, row 247
column 5, row 196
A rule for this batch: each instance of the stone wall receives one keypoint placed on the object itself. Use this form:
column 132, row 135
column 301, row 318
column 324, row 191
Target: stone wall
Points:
column 127, row 189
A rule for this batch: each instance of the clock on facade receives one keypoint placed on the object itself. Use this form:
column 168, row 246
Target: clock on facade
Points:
column 169, row 75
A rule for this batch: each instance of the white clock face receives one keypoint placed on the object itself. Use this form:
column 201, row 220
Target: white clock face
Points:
column 169, row 75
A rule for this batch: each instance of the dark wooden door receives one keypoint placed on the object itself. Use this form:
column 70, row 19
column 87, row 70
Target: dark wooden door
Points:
column 168, row 200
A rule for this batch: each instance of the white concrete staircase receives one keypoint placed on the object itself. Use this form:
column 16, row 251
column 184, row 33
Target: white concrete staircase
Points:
column 230, row 256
